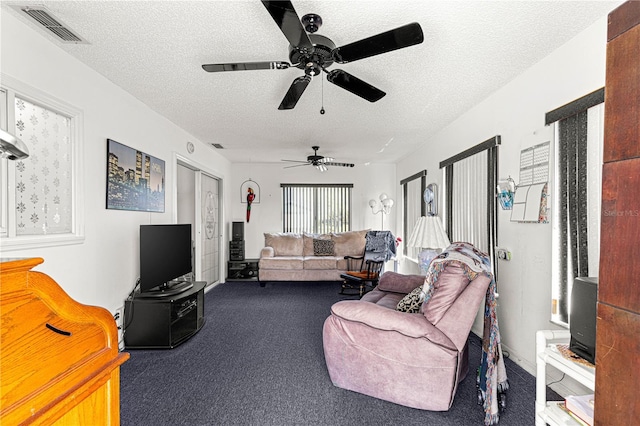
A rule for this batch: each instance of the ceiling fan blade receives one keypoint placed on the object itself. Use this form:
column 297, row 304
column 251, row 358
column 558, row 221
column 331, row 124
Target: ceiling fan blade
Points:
column 340, row 164
column 296, row 161
column 355, row 85
column 297, row 165
column 287, row 19
column 405, row 36
column 246, row 66
column 295, row 91
column 326, row 160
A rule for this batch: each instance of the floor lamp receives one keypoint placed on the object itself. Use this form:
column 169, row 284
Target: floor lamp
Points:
column 384, row 207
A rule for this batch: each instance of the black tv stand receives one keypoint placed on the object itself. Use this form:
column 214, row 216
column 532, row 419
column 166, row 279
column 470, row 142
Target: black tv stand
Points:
column 164, row 320
column 169, row 289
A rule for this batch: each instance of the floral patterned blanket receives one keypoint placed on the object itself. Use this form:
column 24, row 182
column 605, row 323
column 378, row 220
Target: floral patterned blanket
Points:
column 492, row 375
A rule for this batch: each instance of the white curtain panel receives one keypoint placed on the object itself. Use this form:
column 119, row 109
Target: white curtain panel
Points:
column 470, row 201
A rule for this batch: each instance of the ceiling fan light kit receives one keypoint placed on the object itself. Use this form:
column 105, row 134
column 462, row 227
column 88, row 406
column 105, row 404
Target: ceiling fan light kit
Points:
column 314, row 53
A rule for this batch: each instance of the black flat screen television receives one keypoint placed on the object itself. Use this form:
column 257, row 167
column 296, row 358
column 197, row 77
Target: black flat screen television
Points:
column 582, row 317
column 165, row 255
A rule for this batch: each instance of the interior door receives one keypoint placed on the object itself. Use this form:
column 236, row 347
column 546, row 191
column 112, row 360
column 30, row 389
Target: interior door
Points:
column 198, row 201
column 210, row 226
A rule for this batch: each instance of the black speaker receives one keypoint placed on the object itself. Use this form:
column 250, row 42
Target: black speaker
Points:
column 237, row 231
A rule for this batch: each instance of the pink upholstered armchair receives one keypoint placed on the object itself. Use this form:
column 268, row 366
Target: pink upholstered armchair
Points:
column 412, row 359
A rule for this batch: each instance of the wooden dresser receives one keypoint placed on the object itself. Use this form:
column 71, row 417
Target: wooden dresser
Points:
column 59, row 359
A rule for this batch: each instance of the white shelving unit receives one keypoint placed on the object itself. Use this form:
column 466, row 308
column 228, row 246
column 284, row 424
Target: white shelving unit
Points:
column 547, row 353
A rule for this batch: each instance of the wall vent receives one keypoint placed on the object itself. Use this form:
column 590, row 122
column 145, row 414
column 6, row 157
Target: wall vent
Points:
column 217, row 145
column 46, row 20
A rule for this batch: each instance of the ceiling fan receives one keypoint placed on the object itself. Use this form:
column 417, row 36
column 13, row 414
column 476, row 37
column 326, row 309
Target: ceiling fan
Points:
column 318, row 161
column 314, row 53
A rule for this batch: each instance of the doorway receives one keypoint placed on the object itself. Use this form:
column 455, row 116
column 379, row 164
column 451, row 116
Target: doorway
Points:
column 198, row 203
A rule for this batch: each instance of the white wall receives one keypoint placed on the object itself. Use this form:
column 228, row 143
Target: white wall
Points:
column 517, row 113
column 368, row 182
column 103, row 269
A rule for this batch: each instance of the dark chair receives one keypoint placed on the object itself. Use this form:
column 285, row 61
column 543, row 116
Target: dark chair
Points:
column 360, row 272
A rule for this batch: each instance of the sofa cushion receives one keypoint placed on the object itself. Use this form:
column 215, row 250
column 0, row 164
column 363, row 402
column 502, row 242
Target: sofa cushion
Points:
column 284, row 243
column 411, row 302
column 307, row 242
column 323, row 247
column 281, row 262
column 451, row 282
column 319, row 262
column 349, row 243
column 399, row 283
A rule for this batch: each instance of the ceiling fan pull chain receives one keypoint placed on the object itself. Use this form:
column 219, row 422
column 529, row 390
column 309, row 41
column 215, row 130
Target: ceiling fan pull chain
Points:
column 322, row 95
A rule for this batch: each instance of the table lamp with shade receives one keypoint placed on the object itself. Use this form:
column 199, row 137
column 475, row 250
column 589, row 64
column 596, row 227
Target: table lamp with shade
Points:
column 428, row 232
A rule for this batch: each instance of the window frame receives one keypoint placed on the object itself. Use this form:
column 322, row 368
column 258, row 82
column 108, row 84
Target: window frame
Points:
column 561, row 291
column 407, row 228
column 491, row 148
column 314, row 187
column 4, row 165
column 10, row 241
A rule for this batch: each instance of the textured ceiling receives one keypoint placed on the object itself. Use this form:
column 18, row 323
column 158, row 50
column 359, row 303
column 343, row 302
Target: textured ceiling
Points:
column 155, row 49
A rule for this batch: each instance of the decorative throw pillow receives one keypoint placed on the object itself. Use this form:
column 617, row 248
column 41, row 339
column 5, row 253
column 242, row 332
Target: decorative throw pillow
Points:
column 307, row 242
column 323, row 248
column 411, row 302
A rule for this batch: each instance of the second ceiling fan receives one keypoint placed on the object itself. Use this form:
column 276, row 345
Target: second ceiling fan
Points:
column 314, row 53
column 320, row 162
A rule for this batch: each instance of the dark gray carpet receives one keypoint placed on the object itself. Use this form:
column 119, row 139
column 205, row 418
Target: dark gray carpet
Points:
column 259, row 361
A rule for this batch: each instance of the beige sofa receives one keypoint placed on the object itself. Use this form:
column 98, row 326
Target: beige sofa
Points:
column 308, row 257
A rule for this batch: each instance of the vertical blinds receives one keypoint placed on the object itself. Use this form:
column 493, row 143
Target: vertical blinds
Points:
column 316, row 208
column 577, row 200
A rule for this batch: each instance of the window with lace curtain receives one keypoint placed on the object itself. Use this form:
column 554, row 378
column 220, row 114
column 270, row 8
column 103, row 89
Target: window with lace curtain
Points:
column 39, row 193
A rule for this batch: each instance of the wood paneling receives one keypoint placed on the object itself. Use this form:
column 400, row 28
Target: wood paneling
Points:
column 626, row 16
column 618, row 323
column 617, row 367
column 622, row 97
column 620, row 235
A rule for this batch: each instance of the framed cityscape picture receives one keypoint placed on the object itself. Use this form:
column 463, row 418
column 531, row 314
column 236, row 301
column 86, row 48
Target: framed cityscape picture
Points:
column 135, row 180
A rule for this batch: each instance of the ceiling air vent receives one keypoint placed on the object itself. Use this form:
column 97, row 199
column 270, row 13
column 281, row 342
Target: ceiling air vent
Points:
column 46, row 20
column 217, row 145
